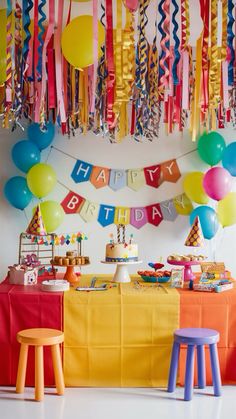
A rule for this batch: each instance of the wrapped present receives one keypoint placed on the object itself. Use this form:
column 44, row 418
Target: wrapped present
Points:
column 23, row 275
column 31, row 260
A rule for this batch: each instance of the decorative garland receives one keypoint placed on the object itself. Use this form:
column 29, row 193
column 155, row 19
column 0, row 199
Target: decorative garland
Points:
column 91, row 86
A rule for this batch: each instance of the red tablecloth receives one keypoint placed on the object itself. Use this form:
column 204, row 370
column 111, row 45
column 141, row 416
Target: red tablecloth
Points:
column 23, row 307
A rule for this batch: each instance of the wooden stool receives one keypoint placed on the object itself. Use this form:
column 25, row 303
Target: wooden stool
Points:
column 40, row 338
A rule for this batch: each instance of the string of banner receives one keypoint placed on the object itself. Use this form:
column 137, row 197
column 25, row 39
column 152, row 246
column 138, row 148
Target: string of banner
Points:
column 114, row 81
column 117, row 179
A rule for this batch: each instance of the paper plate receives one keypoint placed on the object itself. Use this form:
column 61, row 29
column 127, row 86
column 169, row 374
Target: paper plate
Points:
column 55, row 285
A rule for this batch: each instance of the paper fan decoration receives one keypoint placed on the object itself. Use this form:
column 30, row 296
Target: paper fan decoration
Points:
column 195, row 237
column 36, row 225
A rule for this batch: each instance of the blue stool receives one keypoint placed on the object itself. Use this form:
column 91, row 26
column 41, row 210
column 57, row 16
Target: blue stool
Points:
column 195, row 337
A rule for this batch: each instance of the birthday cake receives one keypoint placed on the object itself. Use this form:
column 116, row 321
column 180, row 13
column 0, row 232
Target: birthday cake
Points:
column 121, row 251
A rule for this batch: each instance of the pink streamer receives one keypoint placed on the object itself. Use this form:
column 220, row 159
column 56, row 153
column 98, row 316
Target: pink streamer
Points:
column 49, row 33
column 95, row 53
column 225, row 84
column 59, row 67
column 185, row 80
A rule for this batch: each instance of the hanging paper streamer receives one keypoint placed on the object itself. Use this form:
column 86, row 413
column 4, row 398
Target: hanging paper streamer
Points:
column 131, row 87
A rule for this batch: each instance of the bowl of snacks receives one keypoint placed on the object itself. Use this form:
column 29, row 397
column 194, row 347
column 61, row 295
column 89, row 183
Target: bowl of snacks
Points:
column 160, row 276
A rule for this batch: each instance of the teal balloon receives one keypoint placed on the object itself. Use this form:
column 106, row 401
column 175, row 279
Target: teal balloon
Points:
column 25, row 154
column 17, row 193
column 210, row 147
column 208, row 219
column 41, row 137
column 229, row 158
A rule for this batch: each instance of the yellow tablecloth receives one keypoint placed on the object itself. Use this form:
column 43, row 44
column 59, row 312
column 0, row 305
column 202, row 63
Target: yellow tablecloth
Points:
column 121, row 337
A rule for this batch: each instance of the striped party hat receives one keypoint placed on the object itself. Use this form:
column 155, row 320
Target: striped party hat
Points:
column 36, row 225
column 195, row 237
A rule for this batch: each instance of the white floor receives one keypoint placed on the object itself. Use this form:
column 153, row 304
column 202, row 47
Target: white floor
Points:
column 114, row 403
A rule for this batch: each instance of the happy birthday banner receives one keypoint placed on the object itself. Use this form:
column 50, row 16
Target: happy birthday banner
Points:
column 113, row 68
column 135, row 179
column 154, row 214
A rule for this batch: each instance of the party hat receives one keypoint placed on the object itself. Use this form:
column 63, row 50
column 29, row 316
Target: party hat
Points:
column 36, row 225
column 195, row 237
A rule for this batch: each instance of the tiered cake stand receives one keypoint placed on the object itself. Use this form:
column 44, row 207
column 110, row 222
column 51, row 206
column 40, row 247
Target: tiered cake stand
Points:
column 121, row 273
column 188, row 273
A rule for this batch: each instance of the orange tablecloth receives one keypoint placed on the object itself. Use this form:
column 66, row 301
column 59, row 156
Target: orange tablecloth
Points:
column 214, row 311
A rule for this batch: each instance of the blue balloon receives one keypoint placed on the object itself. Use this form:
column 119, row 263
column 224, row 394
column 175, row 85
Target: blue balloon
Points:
column 25, row 155
column 42, row 138
column 17, row 192
column 229, row 158
column 208, row 220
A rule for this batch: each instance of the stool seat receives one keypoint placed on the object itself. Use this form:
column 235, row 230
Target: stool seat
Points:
column 42, row 337
column 196, row 336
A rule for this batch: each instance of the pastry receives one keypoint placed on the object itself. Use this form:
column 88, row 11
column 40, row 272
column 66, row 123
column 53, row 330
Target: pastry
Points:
column 66, row 261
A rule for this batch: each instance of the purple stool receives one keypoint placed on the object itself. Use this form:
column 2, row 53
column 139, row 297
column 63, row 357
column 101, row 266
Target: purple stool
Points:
column 192, row 337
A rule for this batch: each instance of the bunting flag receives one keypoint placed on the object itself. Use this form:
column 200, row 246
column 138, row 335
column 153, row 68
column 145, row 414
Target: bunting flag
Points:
column 119, row 178
column 57, row 239
column 129, row 85
column 154, row 214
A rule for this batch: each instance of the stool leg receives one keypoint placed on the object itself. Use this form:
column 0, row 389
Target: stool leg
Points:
column 201, row 366
column 57, row 367
column 215, row 368
column 39, row 373
column 21, row 371
column 188, row 388
column 173, row 368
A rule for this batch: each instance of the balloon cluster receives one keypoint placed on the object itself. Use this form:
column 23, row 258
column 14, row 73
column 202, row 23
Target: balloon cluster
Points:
column 216, row 184
column 40, row 177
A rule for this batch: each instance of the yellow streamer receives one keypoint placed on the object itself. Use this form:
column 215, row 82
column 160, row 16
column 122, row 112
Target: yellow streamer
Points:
column 214, row 92
column 196, row 100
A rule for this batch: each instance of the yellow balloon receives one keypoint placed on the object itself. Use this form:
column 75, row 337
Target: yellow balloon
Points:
column 77, row 41
column 194, row 189
column 3, row 43
column 41, row 179
column 183, row 205
column 52, row 215
column 226, row 210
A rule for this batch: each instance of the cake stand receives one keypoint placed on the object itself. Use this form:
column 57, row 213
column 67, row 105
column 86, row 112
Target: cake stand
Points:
column 70, row 274
column 188, row 273
column 121, row 273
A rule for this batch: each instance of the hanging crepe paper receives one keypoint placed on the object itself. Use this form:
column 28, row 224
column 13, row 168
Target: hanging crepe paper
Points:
column 195, row 236
column 81, row 172
column 168, row 210
column 132, row 5
column 72, row 203
column 230, row 41
column 135, row 179
column 106, row 215
column 122, row 215
column 138, row 217
column 118, row 179
column 154, row 214
column 89, row 211
column 36, row 225
column 100, row 176
column 152, row 175
column 177, row 42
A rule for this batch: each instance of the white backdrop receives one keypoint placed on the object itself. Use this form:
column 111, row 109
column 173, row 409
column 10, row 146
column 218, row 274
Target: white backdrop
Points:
column 154, row 242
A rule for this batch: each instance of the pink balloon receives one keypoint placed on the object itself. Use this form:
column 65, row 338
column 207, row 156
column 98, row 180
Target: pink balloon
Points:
column 217, row 183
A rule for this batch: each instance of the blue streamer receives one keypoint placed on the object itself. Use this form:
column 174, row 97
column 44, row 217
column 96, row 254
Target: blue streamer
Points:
column 230, row 39
column 40, row 38
column 177, row 43
column 162, row 32
column 26, row 8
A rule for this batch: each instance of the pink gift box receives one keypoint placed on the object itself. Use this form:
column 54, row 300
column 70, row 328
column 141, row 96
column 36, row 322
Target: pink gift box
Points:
column 22, row 275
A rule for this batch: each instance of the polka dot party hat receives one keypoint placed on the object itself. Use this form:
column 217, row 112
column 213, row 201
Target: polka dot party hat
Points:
column 36, row 225
column 195, row 237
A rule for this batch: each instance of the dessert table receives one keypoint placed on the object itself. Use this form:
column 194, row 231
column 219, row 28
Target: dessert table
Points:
column 119, row 337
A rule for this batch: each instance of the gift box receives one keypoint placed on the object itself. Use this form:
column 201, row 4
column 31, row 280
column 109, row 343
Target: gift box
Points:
column 22, row 275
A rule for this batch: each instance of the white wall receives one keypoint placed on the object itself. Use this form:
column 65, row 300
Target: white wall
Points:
column 154, row 242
